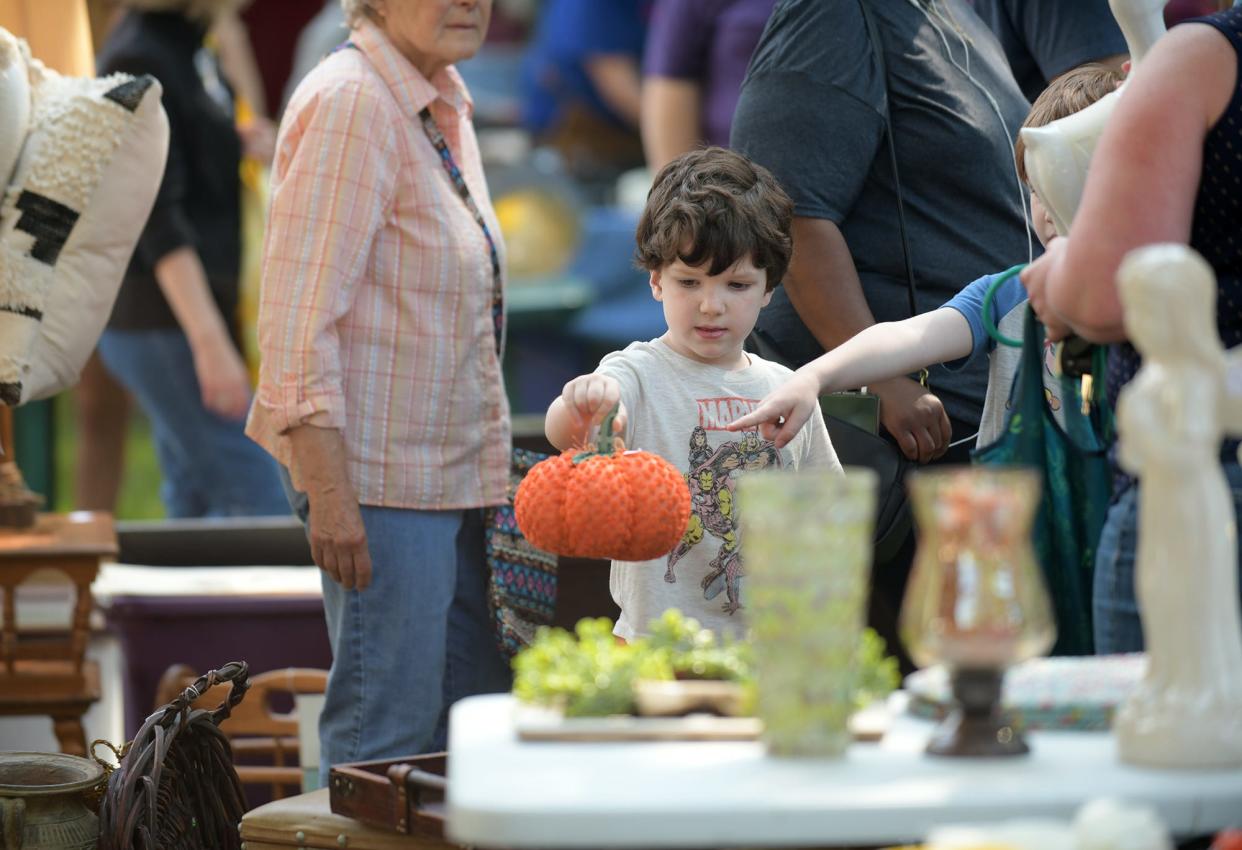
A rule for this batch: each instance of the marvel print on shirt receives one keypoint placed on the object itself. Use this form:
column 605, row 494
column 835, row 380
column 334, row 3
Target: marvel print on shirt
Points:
column 679, row 409
column 713, row 510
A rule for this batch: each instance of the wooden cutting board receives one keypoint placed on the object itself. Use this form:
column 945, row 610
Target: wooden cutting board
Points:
column 536, row 723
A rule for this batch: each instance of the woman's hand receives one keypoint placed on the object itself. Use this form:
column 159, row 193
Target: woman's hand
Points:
column 1035, row 278
column 338, row 538
column 783, row 412
column 589, row 398
column 222, row 377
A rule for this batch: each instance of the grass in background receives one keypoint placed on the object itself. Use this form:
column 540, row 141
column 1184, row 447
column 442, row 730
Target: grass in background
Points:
column 140, row 482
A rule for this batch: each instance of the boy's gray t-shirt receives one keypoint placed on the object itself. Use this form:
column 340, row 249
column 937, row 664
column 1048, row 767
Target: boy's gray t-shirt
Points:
column 812, row 109
column 678, row 408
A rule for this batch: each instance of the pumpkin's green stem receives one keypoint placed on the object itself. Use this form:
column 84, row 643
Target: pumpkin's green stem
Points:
column 604, row 441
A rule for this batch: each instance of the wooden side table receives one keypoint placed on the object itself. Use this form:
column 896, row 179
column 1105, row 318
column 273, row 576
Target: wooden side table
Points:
column 46, row 672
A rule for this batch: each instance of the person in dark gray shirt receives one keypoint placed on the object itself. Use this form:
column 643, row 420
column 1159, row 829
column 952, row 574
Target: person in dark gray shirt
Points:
column 813, row 110
column 1043, row 39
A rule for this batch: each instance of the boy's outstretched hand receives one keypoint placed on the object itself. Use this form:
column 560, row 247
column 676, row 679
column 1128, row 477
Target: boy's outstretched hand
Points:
column 585, row 401
column 783, row 412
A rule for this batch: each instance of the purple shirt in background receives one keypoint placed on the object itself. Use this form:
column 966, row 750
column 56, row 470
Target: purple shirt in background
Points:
column 710, row 42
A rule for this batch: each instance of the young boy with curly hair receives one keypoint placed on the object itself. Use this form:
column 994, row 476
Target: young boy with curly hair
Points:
column 714, row 237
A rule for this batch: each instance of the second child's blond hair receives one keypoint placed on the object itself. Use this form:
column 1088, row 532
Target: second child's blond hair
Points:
column 1071, row 92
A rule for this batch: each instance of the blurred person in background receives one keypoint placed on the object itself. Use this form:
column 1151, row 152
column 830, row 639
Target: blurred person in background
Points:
column 1043, row 39
column 101, row 403
column 316, row 40
column 381, row 327
column 582, row 77
column 816, row 109
column 693, row 67
column 171, row 339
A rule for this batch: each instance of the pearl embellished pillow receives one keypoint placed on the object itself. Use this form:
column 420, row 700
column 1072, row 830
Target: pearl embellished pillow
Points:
column 76, row 202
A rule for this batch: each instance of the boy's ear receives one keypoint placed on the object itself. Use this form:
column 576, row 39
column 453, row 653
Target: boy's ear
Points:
column 767, row 296
column 657, row 290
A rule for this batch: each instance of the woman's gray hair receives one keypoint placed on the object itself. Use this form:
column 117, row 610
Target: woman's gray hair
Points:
column 199, row 10
column 357, row 10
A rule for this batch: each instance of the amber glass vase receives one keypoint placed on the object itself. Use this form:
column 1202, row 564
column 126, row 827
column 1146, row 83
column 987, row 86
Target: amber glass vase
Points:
column 976, row 600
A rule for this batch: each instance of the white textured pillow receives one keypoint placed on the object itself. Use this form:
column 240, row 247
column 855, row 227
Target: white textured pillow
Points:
column 77, row 202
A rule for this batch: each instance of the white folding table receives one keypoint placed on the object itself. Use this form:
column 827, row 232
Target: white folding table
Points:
column 503, row 792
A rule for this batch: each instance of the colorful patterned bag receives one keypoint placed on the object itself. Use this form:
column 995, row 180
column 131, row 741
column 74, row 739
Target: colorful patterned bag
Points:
column 521, row 591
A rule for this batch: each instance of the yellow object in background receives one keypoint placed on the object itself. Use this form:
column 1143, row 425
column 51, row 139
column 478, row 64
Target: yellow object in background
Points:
column 540, row 231
column 254, row 182
column 58, row 32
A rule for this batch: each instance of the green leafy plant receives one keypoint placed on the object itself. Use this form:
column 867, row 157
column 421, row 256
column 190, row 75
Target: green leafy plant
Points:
column 877, row 673
column 694, row 652
column 587, row 673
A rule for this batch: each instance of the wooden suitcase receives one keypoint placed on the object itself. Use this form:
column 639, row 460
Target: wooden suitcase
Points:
column 307, row 822
column 405, row 795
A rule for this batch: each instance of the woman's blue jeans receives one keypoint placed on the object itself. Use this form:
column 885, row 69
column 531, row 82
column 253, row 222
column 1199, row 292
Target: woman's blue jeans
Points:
column 1116, row 615
column 414, row 642
column 208, row 465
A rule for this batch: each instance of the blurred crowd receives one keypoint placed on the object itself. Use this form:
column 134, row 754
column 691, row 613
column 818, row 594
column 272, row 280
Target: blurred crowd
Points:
column 428, row 208
column 577, row 103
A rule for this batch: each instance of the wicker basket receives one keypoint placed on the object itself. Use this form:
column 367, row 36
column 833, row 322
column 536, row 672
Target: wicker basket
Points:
column 175, row 787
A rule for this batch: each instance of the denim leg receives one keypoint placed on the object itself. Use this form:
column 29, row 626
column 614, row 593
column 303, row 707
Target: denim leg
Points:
column 1115, row 608
column 209, row 466
column 474, row 664
column 1233, row 474
column 1117, row 624
column 385, row 689
column 161, row 389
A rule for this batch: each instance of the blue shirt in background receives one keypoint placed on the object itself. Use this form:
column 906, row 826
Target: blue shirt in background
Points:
column 569, row 32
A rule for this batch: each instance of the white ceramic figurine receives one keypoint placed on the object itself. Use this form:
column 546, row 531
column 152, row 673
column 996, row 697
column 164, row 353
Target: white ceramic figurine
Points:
column 1187, row 712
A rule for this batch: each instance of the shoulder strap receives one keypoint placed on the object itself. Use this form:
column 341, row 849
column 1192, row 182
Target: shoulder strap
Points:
column 877, row 49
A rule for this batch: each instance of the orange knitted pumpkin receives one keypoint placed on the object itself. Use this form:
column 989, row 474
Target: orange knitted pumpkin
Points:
column 597, row 503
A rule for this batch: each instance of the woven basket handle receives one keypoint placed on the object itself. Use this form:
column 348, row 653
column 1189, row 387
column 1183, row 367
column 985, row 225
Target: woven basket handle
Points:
column 236, row 673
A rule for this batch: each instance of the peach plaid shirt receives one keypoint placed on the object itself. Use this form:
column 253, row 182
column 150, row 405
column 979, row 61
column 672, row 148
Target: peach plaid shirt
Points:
column 375, row 313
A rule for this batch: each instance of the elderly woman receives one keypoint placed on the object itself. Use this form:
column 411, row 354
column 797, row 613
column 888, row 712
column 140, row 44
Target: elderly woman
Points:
column 171, row 340
column 380, row 328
